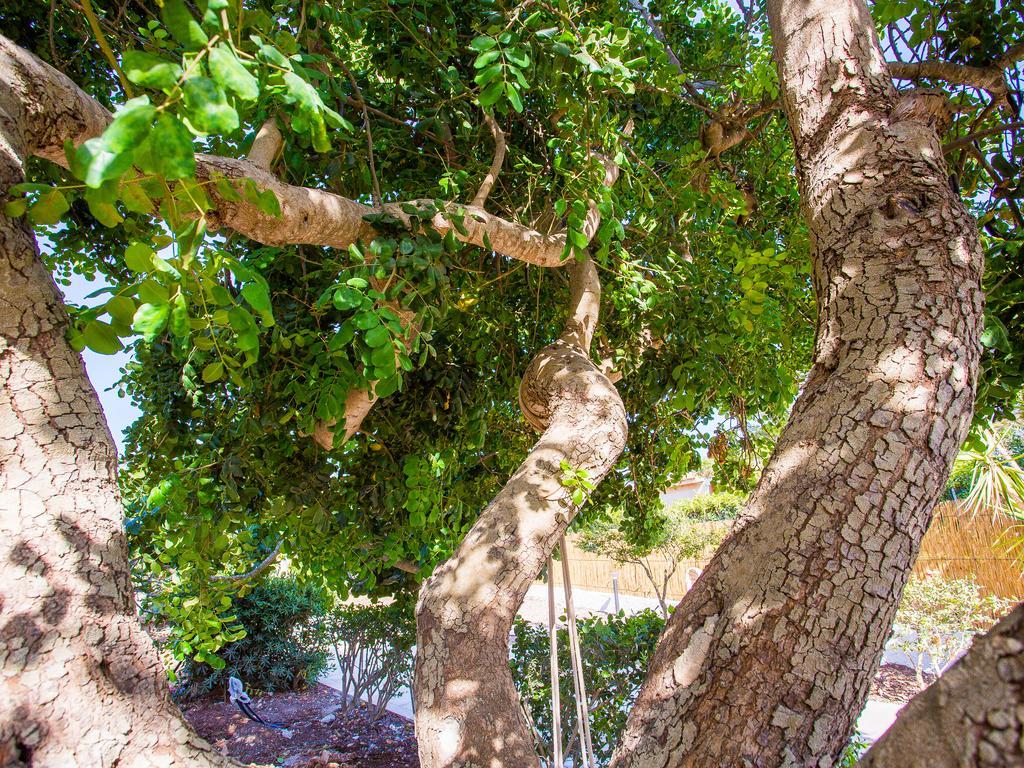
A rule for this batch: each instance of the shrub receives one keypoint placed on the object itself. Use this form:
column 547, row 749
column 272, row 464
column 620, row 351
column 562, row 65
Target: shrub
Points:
column 280, row 650
column 691, row 529
column 615, row 652
column 938, row 617
column 373, row 648
column 724, row 505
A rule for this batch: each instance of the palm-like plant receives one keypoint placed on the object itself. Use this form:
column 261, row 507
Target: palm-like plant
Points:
column 997, row 482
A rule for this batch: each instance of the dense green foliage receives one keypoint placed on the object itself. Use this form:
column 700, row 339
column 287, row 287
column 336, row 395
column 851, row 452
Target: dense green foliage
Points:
column 616, row 650
column 279, row 649
column 723, row 505
column 240, row 349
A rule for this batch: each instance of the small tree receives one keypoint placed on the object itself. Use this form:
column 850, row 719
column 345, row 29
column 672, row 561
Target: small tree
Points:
column 941, row 616
column 688, row 530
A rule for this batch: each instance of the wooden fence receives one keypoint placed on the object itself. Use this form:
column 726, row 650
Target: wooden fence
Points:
column 956, row 545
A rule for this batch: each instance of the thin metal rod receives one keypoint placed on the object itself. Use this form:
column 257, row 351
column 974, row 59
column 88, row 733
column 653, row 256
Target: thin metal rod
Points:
column 579, row 685
column 556, row 704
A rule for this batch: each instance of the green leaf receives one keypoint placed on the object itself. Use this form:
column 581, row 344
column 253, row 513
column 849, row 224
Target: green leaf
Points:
column 48, row 208
column 94, row 162
column 357, row 282
column 513, row 97
column 131, row 125
column 490, row 95
column 134, row 197
column 268, row 203
column 100, row 337
column 150, row 71
column 486, row 58
column 383, row 357
column 483, row 43
column 208, row 109
column 102, row 208
column 257, row 296
column 139, row 257
column 347, row 298
column 16, row 207
column 150, row 320
column 387, row 386
column 179, row 317
column 122, row 309
column 182, row 26
column 228, row 71
column 364, row 321
column 171, row 146
column 379, row 336
column 213, row 372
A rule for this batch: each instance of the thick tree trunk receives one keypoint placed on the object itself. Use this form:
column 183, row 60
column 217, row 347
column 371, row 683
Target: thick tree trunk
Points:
column 768, row 659
column 467, row 711
column 972, row 715
column 80, row 681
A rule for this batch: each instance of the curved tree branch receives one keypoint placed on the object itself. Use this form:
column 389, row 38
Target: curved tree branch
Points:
column 255, row 570
column 466, row 703
column 308, row 216
column 991, row 79
column 499, row 158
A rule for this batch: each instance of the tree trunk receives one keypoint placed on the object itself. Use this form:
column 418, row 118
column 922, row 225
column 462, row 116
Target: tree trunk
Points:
column 768, row 659
column 972, row 715
column 467, row 710
column 81, row 684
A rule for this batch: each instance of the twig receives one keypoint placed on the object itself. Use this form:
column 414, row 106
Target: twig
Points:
column 499, row 158
column 964, row 141
column 366, row 127
column 256, row 571
column 94, row 24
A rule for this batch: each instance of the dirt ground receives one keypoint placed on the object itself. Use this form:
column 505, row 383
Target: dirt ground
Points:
column 345, row 740
column 897, row 683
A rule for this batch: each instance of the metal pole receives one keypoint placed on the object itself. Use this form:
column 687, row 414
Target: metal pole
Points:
column 579, row 685
column 556, row 706
column 615, row 590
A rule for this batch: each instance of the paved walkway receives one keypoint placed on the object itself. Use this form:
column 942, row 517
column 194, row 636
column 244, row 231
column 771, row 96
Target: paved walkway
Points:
column 872, row 723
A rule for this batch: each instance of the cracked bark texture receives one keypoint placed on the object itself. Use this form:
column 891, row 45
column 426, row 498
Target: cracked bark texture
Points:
column 467, row 707
column 971, row 716
column 768, row 659
column 80, row 681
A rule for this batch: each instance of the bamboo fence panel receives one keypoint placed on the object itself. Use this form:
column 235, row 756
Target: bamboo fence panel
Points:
column 956, row 545
column 959, row 545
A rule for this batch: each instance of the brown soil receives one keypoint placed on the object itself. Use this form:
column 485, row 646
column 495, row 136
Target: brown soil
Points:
column 352, row 740
column 897, row 683
column 348, row 740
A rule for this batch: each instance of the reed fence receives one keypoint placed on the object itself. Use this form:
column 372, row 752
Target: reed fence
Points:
column 957, row 545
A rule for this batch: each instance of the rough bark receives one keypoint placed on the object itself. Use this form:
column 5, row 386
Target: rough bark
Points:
column 768, row 659
column 972, row 715
column 467, row 711
column 80, row 681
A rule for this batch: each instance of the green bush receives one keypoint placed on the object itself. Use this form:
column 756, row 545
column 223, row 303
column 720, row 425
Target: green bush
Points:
column 282, row 648
column 725, row 505
column 373, row 648
column 615, row 652
column 938, row 618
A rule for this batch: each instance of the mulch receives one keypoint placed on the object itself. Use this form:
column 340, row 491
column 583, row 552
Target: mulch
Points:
column 345, row 740
column 351, row 740
column 897, row 683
